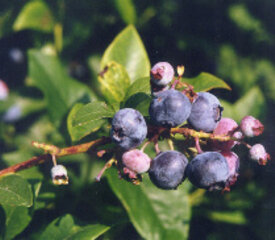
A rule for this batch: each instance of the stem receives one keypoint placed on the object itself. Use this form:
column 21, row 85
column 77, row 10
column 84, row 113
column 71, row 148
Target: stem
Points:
column 81, row 148
column 170, row 143
column 54, row 159
column 144, row 146
column 106, row 166
column 175, row 84
column 157, row 148
column 58, row 37
column 193, row 133
column 198, row 147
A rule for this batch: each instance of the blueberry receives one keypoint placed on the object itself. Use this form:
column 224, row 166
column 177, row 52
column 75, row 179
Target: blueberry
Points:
column 167, row 169
column 129, row 128
column 136, row 160
column 208, row 170
column 162, row 73
column 206, row 112
column 170, row 108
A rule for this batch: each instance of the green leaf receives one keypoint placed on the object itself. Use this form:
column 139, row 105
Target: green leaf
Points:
column 17, row 219
column 34, row 15
column 86, row 119
column 138, row 97
column 139, row 101
column 141, row 85
column 252, row 103
column 155, row 213
column 65, row 228
column 205, row 82
column 89, row 232
column 73, row 131
column 127, row 11
column 15, row 191
column 236, row 217
column 114, row 82
column 60, row 91
column 128, row 50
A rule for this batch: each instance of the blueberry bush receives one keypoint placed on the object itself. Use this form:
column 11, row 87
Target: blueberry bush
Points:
column 117, row 145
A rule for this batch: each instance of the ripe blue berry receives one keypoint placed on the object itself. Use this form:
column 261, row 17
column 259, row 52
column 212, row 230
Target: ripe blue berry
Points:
column 208, row 170
column 162, row 73
column 136, row 161
column 129, row 128
column 170, row 108
column 167, row 169
column 206, row 112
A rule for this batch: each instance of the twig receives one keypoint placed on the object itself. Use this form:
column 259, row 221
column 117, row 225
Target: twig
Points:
column 81, row 148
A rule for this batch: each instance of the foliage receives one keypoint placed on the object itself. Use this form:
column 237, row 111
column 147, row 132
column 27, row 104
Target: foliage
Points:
column 61, row 108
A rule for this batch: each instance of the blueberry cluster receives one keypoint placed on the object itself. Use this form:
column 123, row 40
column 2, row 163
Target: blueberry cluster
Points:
column 187, row 113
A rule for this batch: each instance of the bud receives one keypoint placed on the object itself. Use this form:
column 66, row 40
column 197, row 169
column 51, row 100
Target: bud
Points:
column 162, row 73
column 257, row 153
column 4, row 90
column 251, row 126
column 136, row 161
column 180, row 70
column 59, row 175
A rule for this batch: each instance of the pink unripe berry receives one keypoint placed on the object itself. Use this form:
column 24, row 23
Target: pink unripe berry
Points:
column 4, row 90
column 226, row 127
column 162, row 73
column 258, row 153
column 251, row 126
column 136, row 161
column 233, row 162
